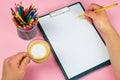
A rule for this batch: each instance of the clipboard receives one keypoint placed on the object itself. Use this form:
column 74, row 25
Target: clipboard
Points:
column 75, row 43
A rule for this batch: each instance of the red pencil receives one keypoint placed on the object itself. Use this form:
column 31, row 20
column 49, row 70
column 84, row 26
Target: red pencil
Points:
column 25, row 12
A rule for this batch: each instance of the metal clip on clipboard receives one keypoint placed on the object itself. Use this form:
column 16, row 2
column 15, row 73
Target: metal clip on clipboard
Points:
column 59, row 12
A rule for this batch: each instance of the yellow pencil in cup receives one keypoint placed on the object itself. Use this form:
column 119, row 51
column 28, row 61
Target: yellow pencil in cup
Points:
column 101, row 9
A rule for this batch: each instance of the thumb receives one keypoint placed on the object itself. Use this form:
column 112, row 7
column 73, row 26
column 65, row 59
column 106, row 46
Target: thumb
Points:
column 90, row 14
column 24, row 63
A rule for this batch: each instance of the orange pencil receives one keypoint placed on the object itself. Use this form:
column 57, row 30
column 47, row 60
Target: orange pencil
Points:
column 16, row 23
column 32, row 20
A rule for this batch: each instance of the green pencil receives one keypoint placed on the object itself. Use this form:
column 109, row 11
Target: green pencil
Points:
column 28, row 21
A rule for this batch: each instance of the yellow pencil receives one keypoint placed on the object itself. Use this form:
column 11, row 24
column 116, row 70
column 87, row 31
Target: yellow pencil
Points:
column 99, row 10
column 17, row 14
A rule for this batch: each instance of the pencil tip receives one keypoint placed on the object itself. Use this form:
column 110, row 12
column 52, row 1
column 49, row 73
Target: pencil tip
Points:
column 11, row 9
column 80, row 16
column 116, row 3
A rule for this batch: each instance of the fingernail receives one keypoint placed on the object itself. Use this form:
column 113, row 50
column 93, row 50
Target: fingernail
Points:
column 28, row 59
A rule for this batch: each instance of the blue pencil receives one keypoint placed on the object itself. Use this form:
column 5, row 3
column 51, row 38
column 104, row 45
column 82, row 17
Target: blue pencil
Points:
column 19, row 11
column 29, row 15
column 34, row 16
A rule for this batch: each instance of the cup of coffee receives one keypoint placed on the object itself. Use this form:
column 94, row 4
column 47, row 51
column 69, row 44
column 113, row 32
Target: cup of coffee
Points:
column 38, row 50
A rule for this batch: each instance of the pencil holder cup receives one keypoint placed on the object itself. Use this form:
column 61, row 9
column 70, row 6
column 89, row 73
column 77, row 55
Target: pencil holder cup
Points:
column 27, row 34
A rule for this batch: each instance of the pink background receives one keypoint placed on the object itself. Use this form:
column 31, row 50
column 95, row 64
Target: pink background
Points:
column 11, row 44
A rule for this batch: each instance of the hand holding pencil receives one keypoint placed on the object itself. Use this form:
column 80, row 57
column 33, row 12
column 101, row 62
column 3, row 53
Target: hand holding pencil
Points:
column 100, row 19
column 100, row 9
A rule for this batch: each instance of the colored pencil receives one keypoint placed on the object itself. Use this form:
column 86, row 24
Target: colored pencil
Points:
column 26, row 18
column 101, row 9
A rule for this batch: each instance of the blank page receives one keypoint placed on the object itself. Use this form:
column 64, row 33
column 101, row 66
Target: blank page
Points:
column 75, row 41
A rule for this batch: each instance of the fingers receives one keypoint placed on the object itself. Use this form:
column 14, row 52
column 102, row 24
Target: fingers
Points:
column 14, row 71
column 90, row 14
column 88, row 19
column 15, row 60
column 90, row 11
column 24, row 63
column 93, row 6
column 18, row 57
